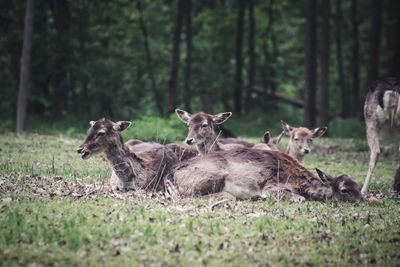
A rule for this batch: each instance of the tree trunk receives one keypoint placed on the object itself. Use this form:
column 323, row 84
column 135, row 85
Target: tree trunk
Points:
column 311, row 63
column 173, row 80
column 325, row 52
column 188, row 61
column 355, row 65
column 23, row 91
column 61, row 14
column 396, row 57
column 374, row 42
column 149, row 60
column 237, row 97
column 342, row 85
column 251, row 53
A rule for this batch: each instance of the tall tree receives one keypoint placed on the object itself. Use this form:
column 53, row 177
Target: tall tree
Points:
column 374, row 41
column 251, row 51
column 62, row 19
column 311, row 64
column 173, row 79
column 23, row 91
column 396, row 57
column 237, row 96
column 342, row 84
column 149, row 60
column 325, row 52
column 188, row 61
column 355, row 65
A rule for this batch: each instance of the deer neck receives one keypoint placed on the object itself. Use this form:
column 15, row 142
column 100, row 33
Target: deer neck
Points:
column 208, row 146
column 291, row 151
column 318, row 190
column 124, row 163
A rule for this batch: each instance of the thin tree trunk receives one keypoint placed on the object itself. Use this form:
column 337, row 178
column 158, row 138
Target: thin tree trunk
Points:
column 188, row 61
column 343, row 96
column 237, row 97
column 311, row 63
column 374, row 42
column 251, row 53
column 149, row 60
column 173, row 80
column 61, row 14
column 325, row 52
column 355, row 65
column 23, row 91
column 396, row 57
column 275, row 52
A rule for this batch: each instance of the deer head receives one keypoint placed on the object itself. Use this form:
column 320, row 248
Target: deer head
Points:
column 201, row 126
column 101, row 134
column 343, row 187
column 301, row 139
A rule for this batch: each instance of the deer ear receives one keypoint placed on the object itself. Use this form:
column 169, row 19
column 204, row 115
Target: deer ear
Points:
column 287, row 129
column 317, row 132
column 184, row 116
column 221, row 117
column 92, row 123
column 325, row 178
column 266, row 138
column 278, row 138
column 121, row 125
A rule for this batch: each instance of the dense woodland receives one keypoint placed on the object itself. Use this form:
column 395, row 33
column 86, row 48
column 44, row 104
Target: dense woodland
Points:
column 126, row 59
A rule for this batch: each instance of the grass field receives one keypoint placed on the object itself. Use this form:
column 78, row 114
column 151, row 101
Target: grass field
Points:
column 55, row 209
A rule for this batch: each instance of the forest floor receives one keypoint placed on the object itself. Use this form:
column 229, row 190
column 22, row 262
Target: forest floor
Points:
column 56, row 209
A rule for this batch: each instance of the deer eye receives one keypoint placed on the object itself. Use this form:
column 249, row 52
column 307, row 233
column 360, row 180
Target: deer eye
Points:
column 310, row 140
column 296, row 139
column 344, row 190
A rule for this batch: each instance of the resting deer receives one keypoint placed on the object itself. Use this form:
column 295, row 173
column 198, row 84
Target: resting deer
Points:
column 202, row 130
column 382, row 119
column 300, row 139
column 246, row 173
column 267, row 142
column 134, row 164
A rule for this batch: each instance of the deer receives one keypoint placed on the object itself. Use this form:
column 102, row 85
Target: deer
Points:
column 267, row 142
column 382, row 121
column 300, row 139
column 202, row 130
column 246, row 173
column 134, row 164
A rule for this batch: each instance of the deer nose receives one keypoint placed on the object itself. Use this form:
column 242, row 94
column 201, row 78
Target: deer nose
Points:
column 306, row 150
column 190, row 140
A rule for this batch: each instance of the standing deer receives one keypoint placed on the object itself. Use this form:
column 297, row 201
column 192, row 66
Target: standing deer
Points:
column 382, row 119
column 249, row 173
column 300, row 139
column 134, row 164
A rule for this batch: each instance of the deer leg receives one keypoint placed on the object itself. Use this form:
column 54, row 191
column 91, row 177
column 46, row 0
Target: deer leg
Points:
column 373, row 143
column 396, row 182
column 219, row 195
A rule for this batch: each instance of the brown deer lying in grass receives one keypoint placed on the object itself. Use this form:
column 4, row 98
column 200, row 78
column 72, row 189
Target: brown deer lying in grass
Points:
column 249, row 173
column 300, row 139
column 134, row 164
column 202, row 130
column 202, row 133
column 382, row 119
column 267, row 142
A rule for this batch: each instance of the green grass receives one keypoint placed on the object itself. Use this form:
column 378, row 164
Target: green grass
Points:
column 38, row 226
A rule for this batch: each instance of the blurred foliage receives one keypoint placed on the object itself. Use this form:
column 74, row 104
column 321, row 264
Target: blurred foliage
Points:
column 107, row 75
